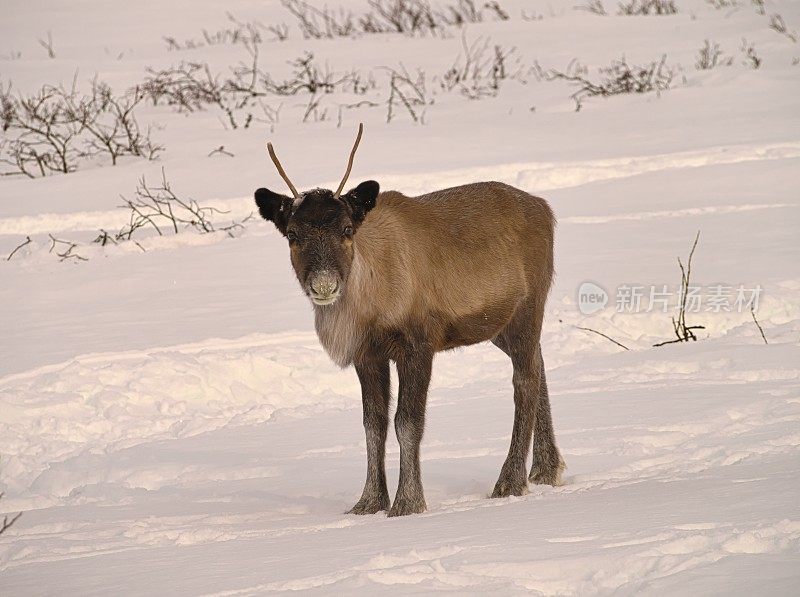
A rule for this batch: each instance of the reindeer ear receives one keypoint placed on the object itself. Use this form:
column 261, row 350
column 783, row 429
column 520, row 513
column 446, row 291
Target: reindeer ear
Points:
column 274, row 207
column 362, row 199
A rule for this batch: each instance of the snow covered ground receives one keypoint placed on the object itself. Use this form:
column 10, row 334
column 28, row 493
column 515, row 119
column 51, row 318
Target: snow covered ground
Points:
column 170, row 425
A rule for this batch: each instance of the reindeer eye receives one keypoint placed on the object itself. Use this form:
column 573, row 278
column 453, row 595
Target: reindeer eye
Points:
column 291, row 235
column 348, row 231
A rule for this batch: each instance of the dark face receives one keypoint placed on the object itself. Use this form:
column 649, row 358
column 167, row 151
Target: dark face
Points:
column 320, row 230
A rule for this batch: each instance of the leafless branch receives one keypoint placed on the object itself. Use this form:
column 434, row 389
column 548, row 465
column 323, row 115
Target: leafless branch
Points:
column 751, row 59
column 710, row 56
column 6, row 521
column 758, row 325
column 777, row 24
column 683, row 332
column 619, row 78
column 48, row 45
column 51, row 130
column 647, row 7
column 593, row 6
column 603, row 335
column 27, row 241
column 66, row 253
column 408, row 92
column 220, row 151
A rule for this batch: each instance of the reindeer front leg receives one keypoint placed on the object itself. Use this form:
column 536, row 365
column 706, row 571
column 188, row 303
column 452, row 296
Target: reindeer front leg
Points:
column 375, row 397
column 414, row 372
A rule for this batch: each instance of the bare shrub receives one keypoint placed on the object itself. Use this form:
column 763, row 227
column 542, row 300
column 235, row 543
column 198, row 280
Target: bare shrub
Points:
column 318, row 23
column 401, row 16
column 723, row 4
column 494, row 8
column 617, row 79
column 353, row 106
column 777, row 24
column 237, row 32
column 407, row 92
column 279, row 32
column 480, row 69
column 193, row 86
column 419, row 17
column 47, row 44
column 647, row 7
column 110, row 122
column 54, row 128
column 42, row 137
column 751, row 58
column 759, row 6
column 710, row 56
column 271, row 114
column 461, row 13
column 593, row 6
column 308, row 77
column 683, row 332
column 160, row 209
column 64, row 249
column 464, row 12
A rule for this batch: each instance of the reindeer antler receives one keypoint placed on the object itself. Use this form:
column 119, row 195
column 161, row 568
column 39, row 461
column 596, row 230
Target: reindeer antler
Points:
column 281, row 171
column 350, row 161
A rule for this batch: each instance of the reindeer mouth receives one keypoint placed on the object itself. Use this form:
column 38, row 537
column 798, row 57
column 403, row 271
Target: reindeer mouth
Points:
column 323, row 300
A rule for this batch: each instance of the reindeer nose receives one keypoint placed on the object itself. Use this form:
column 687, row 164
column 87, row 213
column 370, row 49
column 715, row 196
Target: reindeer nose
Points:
column 325, row 284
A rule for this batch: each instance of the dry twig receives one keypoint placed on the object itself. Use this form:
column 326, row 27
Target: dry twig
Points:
column 603, row 335
column 758, row 325
column 27, row 241
column 683, row 332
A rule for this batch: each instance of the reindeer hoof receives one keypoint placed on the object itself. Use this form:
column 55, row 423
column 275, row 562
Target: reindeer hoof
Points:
column 506, row 487
column 369, row 506
column 541, row 475
column 405, row 506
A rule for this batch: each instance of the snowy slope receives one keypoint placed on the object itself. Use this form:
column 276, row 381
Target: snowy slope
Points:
column 169, row 423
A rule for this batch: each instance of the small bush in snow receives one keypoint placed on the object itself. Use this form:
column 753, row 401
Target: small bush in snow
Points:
column 617, row 79
column 160, row 209
column 647, row 7
column 594, row 7
column 64, row 249
column 48, row 45
column 751, row 59
column 777, row 24
column 683, row 332
column 409, row 93
column 409, row 17
column 51, row 130
column 723, row 4
column 480, row 70
column 710, row 56
column 318, row 23
column 193, row 86
column 237, row 32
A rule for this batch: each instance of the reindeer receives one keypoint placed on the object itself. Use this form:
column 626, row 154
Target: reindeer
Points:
column 397, row 278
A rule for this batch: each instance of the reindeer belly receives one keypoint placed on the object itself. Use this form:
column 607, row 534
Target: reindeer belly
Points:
column 473, row 327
